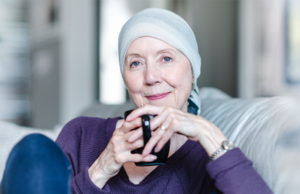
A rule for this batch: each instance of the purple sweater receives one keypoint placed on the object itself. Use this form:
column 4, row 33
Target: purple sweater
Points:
column 186, row 171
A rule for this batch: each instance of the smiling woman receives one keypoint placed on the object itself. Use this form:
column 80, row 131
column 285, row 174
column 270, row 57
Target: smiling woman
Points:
column 158, row 74
column 160, row 64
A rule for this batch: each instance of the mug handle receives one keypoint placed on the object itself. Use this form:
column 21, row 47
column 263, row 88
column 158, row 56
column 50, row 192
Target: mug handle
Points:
column 146, row 128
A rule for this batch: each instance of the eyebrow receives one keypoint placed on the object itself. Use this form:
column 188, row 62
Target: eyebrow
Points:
column 166, row 50
column 158, row 52
column 132, row 54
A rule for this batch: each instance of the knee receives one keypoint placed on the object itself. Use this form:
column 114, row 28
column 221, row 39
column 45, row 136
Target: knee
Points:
column 37, row 148
column 36, row 160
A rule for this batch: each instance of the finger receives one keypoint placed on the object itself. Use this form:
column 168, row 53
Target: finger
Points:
column 166, row 137
column 141, row 158
column 164, row 118
column 167, row 119
column 170, row 130
column 125, row 146
column 136, row 144
column 128, row 157
column 127, row 126
column 153, row 141
column 136, row 134
column 148, row 109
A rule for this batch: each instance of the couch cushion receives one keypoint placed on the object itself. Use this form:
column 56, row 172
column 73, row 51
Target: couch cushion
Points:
column 264, row 130
column 108, row 111
column 11, row 134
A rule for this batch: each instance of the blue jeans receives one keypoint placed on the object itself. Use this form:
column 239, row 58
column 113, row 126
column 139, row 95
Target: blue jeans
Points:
column 36, row 165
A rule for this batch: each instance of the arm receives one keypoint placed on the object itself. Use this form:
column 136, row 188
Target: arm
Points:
column 70, row 139
column 95, row 157
column 234, row 173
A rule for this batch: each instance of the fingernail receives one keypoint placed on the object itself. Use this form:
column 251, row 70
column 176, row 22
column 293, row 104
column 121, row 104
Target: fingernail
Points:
column 156, row 149
column 145, row 152
column 151, row 157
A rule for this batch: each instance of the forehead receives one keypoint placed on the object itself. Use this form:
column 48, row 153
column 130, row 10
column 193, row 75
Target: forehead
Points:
column 147, row 43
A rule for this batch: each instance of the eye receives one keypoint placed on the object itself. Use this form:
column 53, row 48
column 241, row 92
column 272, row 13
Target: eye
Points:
column 167, row 59
column 136, row 63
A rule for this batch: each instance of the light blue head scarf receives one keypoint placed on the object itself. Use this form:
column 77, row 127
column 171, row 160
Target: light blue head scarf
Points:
column 170, row 28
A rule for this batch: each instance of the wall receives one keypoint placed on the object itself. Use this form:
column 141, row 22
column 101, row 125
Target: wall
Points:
column 63, row 60
column 215, row 25
column 14, row 63
column 78, row 84
column 263, row 51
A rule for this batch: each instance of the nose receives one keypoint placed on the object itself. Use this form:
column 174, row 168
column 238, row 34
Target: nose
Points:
column 152, row 74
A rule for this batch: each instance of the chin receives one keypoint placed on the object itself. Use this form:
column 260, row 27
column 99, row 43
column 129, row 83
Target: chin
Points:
column 162, row 102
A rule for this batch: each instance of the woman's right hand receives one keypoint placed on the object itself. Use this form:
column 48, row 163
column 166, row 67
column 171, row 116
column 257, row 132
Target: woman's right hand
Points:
column 118, row 152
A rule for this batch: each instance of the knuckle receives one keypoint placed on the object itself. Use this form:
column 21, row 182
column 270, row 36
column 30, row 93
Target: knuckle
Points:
column 172, row 116
column 147, row 106
column 115, row 150
column 138, row 144
column 118, row 159
column 175, row 121
column 136, row 158
column 126, row 125
column 156, row 135
column 114, row 140
column 164, row 139
column 170, row 109
column 137, row 122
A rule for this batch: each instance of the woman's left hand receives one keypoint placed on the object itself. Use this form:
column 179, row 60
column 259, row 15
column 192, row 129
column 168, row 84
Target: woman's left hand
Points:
column 170, row 120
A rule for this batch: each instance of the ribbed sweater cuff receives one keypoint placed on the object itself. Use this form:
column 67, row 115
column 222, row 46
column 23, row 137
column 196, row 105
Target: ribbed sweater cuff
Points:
column 225, row 162
column 85, row 184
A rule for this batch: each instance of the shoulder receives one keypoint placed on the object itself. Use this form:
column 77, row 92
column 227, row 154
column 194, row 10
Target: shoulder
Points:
column 84, row 122
column 85, row 128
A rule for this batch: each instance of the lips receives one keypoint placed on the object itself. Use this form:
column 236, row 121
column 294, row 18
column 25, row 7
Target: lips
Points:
column 158, row 96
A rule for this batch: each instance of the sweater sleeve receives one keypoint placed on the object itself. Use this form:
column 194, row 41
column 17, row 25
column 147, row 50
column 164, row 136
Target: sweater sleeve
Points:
column 82, row 140
column 233, row 173
column 82, row 183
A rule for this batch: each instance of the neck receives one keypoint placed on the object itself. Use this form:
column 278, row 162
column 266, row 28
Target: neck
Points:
column 185, row 106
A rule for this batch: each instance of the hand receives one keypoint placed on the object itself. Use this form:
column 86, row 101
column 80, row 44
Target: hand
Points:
column 118, row 152
column 170, row 120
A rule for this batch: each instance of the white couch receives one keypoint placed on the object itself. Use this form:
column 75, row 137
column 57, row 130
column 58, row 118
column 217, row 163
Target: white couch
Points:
column 265, row 129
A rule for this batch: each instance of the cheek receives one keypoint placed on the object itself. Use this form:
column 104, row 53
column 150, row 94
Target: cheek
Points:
column 180, row 78
column 134, row 82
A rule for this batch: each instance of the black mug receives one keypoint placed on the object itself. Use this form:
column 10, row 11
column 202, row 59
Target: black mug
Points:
column 162, row 155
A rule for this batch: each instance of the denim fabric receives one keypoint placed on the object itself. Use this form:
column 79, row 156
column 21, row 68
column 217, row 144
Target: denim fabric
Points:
column 36, row 165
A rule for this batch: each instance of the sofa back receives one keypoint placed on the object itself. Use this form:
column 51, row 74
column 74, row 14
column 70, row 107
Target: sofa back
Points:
column 268, row 133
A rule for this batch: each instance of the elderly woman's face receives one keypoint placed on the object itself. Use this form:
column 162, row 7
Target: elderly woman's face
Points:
column 158, row 74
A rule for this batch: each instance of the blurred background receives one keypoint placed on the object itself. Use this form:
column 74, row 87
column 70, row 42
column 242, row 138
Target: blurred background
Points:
column 59, row 57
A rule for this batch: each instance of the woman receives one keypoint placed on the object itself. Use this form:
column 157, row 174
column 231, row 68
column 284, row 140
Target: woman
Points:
column 160, row 64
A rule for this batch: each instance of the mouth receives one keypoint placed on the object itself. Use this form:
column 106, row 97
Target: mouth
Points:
column 158, row 96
